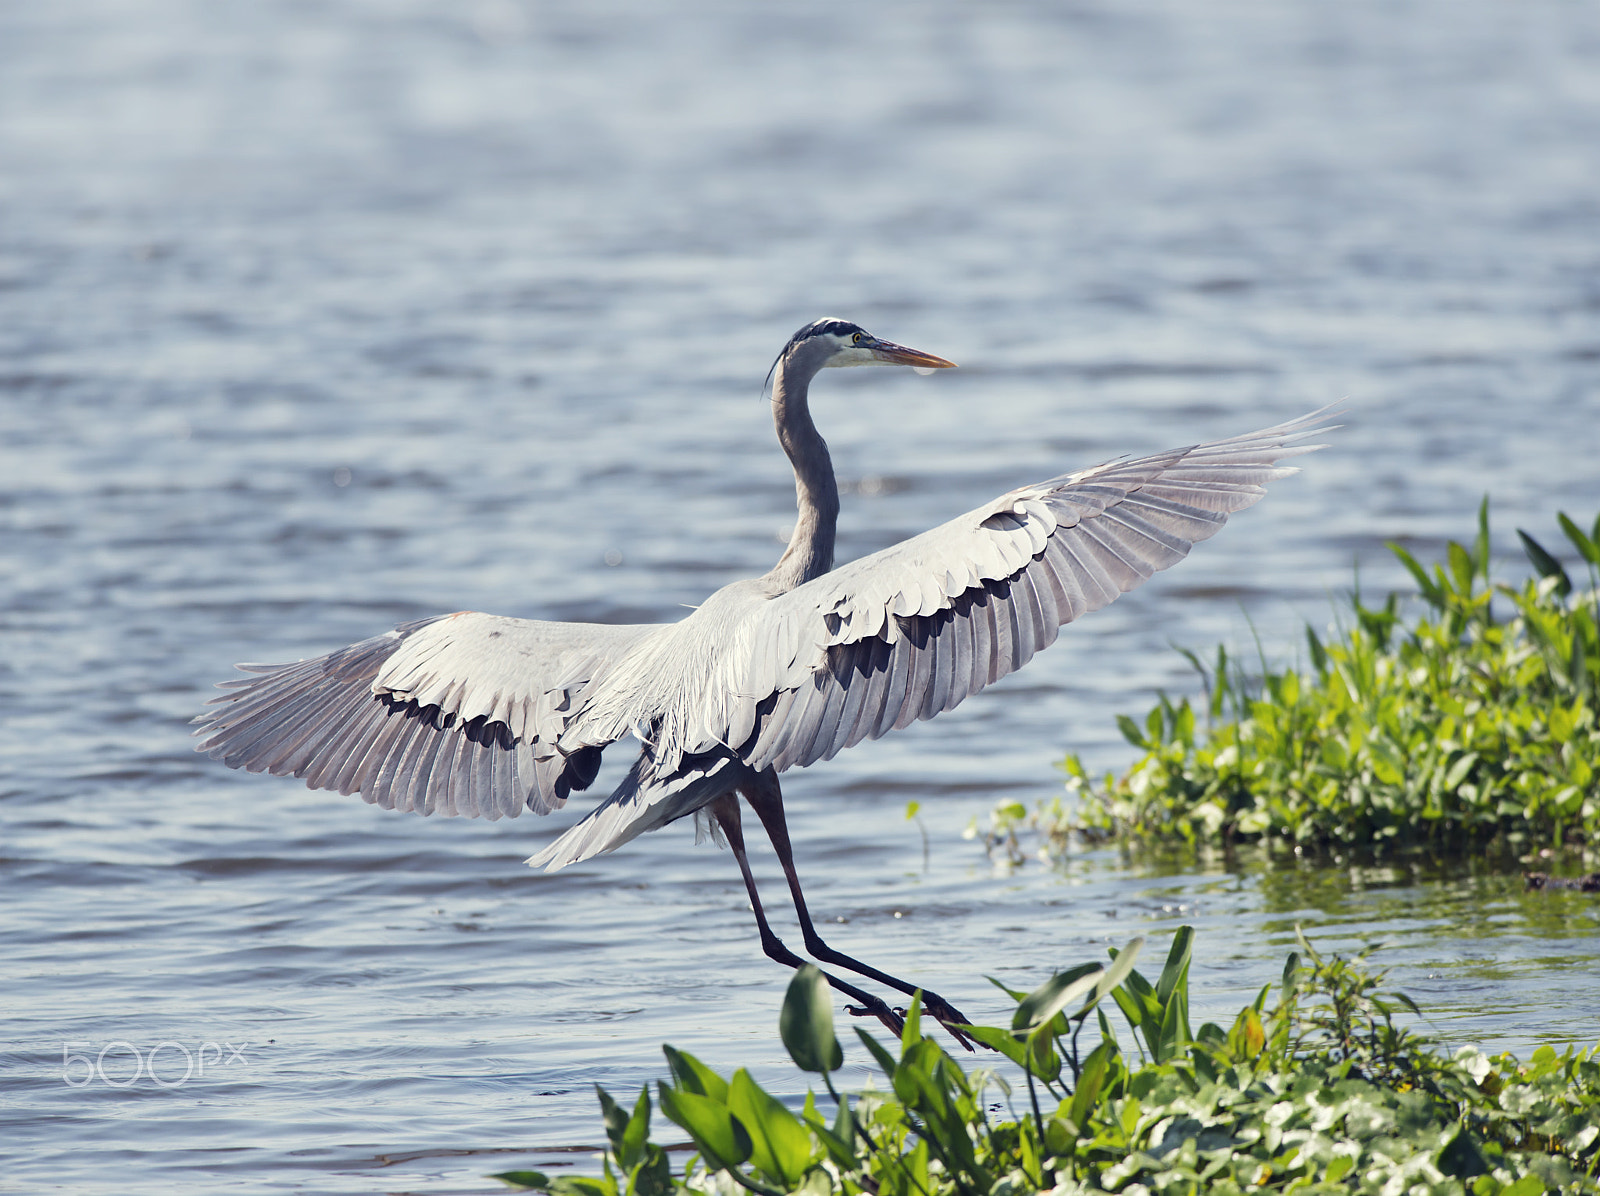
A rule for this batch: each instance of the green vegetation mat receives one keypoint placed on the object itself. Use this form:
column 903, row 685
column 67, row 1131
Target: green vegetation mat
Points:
column 1321, row 1093
column 1474, row 721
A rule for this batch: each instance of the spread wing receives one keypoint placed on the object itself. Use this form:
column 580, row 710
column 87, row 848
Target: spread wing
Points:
column 909, row 632
column 458, row 714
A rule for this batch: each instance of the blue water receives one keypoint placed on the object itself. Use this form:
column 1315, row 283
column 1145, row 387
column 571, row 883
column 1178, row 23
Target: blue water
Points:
column 316, row 318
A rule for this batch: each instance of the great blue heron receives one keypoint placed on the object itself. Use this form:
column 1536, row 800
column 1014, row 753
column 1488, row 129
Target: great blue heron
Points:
column 480, row 714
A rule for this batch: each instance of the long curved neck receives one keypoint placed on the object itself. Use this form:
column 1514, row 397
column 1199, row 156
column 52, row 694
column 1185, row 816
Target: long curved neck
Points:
column 810, row 551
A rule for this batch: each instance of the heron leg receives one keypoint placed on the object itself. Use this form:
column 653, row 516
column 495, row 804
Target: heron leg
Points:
column 726, row 811
column 766, row 799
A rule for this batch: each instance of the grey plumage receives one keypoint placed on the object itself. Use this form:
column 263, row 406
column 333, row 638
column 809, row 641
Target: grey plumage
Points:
column 479, row 715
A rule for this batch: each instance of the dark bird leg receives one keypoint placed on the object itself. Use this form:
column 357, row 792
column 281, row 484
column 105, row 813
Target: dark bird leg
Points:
column 726, row 811
column 766, row 799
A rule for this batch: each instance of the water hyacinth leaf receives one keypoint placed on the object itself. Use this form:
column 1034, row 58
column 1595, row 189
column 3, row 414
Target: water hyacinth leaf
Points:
column 1090, row 1083
column 616, row 1120
column 1588, row 547
column 1460, row 567
column 717, row 1133
column 1042, row 1059
column 1130, row 732
column 1459, row 770
column 838, row 1148
column 780, row 1147
column 1004, row 1041
column 1013, row 993
column 1319, row 654
column 1106, row 1032
column 1039, row 1006
column 695, row 1076
column 1174, row 1033
column 1546, row 564
column 1138, row 1002
column 528, row 1181
column 636, row 1134
column 1430, row 591
column 1248, row 1037
column 884, row 1059
column 1177, row 967
column 1121, row 965
column 911, row 1030
column 1480, row 543
column 806, row 1022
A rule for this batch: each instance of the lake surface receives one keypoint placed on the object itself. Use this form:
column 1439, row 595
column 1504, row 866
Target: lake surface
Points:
column 317, row 318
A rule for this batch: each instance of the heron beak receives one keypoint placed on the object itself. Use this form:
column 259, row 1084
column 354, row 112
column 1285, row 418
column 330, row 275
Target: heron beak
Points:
column 893, row 354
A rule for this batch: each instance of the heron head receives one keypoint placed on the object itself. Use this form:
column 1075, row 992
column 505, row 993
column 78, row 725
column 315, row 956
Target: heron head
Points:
column 832, row 343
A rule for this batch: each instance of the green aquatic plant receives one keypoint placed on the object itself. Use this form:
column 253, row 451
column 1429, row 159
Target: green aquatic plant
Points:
column 1322, row 1092
column 1473, row 721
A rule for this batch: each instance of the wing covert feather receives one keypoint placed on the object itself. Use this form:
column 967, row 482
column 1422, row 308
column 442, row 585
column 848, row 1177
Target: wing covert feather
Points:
column 458, row 715
column 924, row 624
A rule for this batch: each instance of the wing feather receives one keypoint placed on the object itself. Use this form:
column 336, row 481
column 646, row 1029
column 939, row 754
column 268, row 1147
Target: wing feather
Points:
column 457, row 714
column 959, row 607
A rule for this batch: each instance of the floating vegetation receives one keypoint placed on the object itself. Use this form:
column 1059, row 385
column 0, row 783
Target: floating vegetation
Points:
column 1322, row 1092
column 1475, row 721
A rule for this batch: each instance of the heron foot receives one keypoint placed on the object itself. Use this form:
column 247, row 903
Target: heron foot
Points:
column 948, row 1016
column 890, row 1019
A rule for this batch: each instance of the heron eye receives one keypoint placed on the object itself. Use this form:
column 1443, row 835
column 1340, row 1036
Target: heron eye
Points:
column 856, row 339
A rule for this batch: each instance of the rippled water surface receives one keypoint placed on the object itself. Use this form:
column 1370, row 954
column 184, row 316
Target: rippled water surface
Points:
column 316, row 318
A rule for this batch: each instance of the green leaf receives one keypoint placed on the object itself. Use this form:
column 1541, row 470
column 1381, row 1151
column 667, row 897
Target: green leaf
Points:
column 884, row 1059
column 1130, row 732
column 1176, row 971
column 911, row 1030
column 1319, row 654
column 1588, row 547
column 1480, row 544
column 1459, row 770
column 1430, row 590
column 1174, row 1036
column 1041, row 1058
column 695, row 1076
column 1004, row 1041
column 636, row 1135
column 583, row 1185
column 717, row 1133
column 1460, row 567
column 1528, row 1185
column 1247, row 1038
column 839, row 1147
column 806, row 1022
column 1014, row 993
column 524, row 1180
column 1546, row 564
column 1044, row 1002
column 780, row 1147
column 1090, row 1083
column 1121, row 966
column 615, row 1118
column 1107, row 1034
column 844, row 1129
